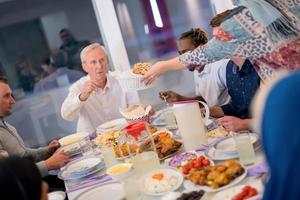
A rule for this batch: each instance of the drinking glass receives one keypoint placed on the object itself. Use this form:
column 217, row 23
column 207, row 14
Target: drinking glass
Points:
column 108, row 154
column 170, row 119
column 245, row 148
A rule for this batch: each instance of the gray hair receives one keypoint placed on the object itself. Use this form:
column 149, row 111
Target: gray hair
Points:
column 89, row 48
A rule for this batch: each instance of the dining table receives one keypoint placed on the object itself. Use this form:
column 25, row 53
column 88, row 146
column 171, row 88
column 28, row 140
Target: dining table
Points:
column 256, row 172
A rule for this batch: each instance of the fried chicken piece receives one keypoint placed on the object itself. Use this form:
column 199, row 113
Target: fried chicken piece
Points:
column 234, row 171
column 222, row 179
column 213, row 175
column 220, row 168
column 197, row 176
column 229, row 163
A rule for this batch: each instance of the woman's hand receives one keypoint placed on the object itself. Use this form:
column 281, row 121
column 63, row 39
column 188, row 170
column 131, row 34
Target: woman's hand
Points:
column 154, row 72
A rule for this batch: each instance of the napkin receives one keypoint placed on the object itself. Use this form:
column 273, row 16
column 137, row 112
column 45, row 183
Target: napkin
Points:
column 258, row 169
column 87, row 182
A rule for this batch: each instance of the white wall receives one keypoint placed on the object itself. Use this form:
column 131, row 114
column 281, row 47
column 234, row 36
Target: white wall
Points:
column 222, row 5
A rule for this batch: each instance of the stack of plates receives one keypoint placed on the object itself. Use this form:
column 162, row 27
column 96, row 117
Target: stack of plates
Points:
column 71, row 149
column 226, row 149
column 81, row 168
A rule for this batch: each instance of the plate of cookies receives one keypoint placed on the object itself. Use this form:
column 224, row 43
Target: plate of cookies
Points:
column 131, row 80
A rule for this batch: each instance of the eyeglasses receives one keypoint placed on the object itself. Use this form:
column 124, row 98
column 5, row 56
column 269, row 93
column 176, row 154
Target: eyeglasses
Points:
column 184, row 51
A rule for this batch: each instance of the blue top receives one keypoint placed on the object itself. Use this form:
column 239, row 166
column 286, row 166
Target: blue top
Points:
column 242, row 85
column 281, row 139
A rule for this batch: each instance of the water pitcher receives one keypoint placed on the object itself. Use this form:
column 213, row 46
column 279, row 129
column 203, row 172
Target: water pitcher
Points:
column 190, row 123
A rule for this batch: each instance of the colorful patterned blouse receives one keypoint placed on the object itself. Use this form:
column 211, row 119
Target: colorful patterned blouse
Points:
column 242, row 36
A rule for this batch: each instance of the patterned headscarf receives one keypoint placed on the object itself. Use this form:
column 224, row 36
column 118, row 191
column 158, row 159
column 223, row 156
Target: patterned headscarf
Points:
column 276, row 21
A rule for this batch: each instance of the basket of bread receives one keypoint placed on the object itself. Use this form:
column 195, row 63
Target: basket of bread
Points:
column 131, row 79
column 134, row 113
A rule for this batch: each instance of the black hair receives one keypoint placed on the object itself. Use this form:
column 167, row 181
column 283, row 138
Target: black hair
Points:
column 20, row 179
column 3, row 79
column 223, row 16
column 197, row 36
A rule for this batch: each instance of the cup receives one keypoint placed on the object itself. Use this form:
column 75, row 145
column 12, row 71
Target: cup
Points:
column 108, row 154
column 244, row 148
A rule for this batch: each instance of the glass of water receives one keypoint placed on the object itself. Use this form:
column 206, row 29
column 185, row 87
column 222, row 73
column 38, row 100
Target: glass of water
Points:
column 170, row 119
column 245, row 148
column 108, row 154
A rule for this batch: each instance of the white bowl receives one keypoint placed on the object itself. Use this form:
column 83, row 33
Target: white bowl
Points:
column 122, row 174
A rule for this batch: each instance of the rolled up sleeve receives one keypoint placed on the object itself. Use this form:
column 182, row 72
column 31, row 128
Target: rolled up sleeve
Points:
column 71, row 106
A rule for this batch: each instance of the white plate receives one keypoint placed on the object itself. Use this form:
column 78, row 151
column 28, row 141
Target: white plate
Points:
column 227, row 145
column 57, row 195
column 231, row 192
column 71, row 149
column 191, row 186
column 159, row 122
column 67, row 176
column 73, row 138
column 109, row 191
column 83, row 166
column 212, row 154
column 116, row 123
column 168, row 173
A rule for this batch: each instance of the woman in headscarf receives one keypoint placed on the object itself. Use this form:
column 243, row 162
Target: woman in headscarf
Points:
column 280, row 128
column 20, row 179
column 264, row 31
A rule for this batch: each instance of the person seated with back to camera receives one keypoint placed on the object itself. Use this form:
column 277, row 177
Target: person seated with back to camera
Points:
column 97, row 97
column 20, row 179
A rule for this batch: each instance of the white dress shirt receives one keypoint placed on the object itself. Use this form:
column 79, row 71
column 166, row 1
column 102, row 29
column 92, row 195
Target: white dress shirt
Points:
column 101, row 106
column 211, row 83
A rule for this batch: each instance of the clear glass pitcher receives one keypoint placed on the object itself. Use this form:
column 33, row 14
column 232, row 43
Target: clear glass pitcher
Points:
column 191, row 124
column 139, row 139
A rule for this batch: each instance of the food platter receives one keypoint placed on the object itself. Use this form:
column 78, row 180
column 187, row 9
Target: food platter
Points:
column 160, row 182
column 216, row 178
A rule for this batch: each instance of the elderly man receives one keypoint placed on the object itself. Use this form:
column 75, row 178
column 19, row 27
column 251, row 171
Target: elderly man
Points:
column 12, row 144
column 97, row 97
